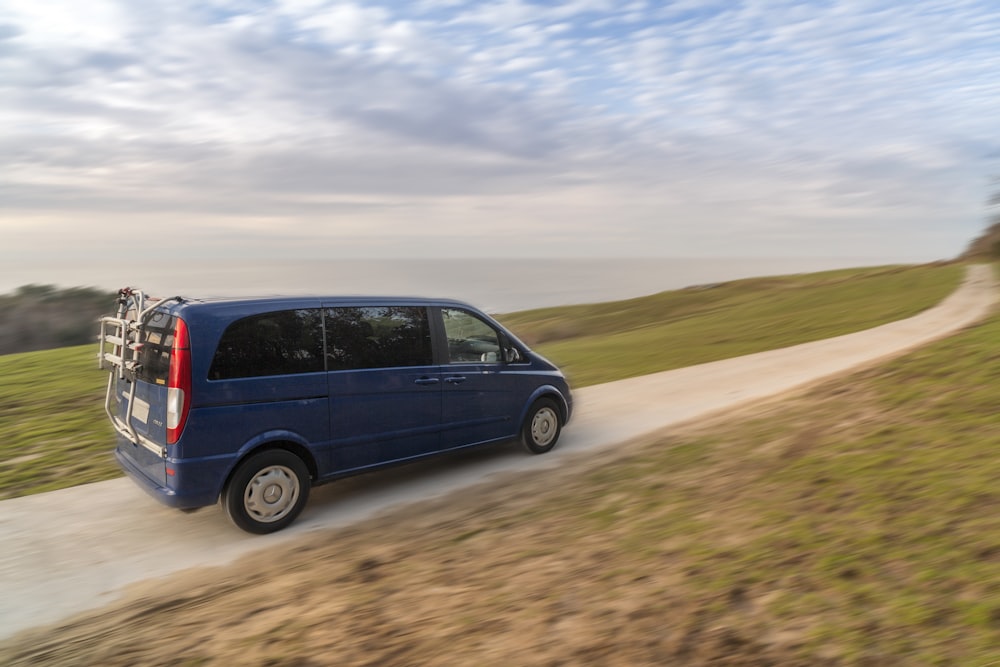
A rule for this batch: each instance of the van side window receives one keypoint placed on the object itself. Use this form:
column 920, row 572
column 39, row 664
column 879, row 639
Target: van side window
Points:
column 470, row 340
column 277, row 343
column 377, row 337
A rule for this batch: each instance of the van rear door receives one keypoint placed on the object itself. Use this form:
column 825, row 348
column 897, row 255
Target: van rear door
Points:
column 149, row 384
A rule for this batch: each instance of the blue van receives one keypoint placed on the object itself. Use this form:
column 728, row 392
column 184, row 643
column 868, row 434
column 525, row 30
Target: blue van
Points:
column 255, row 400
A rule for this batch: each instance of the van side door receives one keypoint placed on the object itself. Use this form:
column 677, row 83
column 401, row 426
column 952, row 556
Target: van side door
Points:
column 385, row 391
column 480, row 392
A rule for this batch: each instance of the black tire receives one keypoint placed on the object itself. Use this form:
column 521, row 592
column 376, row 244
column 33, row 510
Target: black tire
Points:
column 542, row 426
column 267, row 491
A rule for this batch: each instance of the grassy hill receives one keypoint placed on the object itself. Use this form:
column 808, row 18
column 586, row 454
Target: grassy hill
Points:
column 54, row 434
column 609, row 341
column 857, row 524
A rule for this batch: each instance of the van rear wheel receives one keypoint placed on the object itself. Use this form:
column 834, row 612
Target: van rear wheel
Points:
column 267, row 491
column 542, row 426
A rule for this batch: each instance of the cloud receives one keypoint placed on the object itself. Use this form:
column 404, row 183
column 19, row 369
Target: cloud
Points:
column 651, row 125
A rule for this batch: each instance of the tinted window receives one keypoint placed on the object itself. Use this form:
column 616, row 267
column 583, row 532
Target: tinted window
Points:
column 278, row 343
column 470, row 339
column 157, row 340
column 377, row 337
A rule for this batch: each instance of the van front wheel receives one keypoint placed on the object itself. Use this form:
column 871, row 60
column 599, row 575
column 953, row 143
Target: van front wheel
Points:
column 267, row 491
column 542, row 426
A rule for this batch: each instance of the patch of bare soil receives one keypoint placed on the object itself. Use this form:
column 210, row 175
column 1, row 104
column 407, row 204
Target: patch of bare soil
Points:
column 532, row 570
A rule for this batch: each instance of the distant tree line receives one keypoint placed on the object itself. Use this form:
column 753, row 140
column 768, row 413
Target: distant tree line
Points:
column 987, row 245
column 42, row 317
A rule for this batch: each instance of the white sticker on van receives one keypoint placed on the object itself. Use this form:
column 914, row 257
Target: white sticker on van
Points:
column 140, row 410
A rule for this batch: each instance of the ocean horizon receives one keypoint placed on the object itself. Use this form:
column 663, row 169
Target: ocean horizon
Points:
column 495, row 285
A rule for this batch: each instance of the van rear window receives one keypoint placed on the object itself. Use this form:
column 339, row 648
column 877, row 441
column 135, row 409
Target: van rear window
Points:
column 157, row 341
column 277, row 343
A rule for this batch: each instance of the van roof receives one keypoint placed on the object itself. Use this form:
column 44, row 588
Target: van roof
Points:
column 306, row 301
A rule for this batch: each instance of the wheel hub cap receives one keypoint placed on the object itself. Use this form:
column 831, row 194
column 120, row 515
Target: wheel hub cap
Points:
column 543, row 427
column 271, row 494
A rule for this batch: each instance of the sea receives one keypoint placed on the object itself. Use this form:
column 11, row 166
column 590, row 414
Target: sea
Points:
column 497, row 285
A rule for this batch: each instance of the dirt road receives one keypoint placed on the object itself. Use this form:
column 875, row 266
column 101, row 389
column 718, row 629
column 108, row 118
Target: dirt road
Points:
column 76, row 549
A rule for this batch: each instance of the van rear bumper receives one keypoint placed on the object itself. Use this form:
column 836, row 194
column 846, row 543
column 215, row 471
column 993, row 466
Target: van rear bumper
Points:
column 166, row 495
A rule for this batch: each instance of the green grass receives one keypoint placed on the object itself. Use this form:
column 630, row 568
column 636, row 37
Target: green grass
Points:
column 53, row 430
column 604, row 342
column 867, row 512
column 855, row 524
column 54, row 434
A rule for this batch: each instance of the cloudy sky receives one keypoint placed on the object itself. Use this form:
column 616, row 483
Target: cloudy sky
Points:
column 692, row 128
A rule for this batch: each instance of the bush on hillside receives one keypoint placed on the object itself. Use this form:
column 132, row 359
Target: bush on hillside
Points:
column 42, row 317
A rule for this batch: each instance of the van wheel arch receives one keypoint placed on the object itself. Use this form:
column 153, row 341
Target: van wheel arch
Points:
column 292, row 447
column 555, row 397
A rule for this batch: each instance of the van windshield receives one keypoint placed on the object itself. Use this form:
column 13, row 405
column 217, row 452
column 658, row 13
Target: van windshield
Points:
column 157, row 342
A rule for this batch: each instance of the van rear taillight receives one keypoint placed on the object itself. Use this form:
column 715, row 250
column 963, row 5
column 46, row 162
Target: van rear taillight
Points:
column 178, row 383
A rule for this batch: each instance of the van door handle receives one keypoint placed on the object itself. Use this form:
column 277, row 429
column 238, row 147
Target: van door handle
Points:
column 455, row 379
column 426, row 381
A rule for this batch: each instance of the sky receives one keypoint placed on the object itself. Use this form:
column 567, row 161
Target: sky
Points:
column 509, row 128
